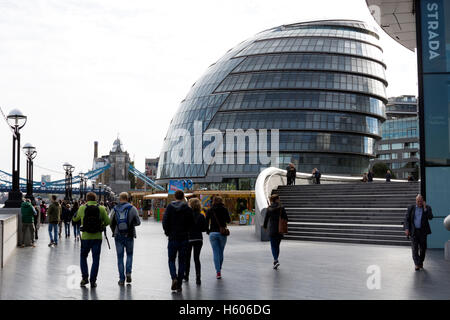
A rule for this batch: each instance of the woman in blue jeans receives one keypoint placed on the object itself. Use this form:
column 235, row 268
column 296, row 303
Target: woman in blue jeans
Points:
column 273, row 216
column 216, row 217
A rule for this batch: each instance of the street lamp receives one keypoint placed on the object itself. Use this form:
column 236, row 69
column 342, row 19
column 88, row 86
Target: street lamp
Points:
column 16, row 120
column 68, row 181
column 31, row 153
column 100, row 191
column 83, row 185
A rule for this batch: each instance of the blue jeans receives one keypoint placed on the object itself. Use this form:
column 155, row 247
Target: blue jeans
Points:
column 86, row 247
column 76, row 230
column 177, row 247
column 67, row 228
column 124, row 243
column 53, row 227
column 275, row 246
column 218, row 242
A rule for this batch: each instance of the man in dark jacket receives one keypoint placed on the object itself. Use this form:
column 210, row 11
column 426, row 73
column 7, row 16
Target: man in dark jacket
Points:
column 28, row 216
column 291, row 173
column 54, row 217
column 124, row 218
column 273, row 216
column 178, row 220
column 417, row 227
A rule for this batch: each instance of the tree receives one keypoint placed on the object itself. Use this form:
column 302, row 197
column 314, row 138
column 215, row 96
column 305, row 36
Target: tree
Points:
column 380, row 169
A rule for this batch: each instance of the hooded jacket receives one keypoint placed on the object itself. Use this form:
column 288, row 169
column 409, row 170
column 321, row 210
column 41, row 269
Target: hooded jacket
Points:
column 27, row 212
column 178, row 220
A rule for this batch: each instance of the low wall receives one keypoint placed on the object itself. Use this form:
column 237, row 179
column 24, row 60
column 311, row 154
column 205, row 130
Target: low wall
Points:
column 8, row 233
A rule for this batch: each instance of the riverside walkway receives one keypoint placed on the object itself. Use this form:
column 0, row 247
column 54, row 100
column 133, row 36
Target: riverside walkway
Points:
column 308, row 271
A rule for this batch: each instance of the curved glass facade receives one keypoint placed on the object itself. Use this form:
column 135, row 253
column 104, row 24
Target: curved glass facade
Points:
column 321, row 84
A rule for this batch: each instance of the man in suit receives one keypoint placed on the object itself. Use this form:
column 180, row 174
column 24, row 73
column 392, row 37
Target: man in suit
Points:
column 417, row 227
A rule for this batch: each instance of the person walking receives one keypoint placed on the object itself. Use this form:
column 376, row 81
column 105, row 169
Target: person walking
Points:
column 61, row 204
column 417, row 228
column 28, row 216
column 291, row 174
column 94, row 220
column 124, row 218
column 67, row 218
column 195, row 240
column 216, row 219
column 54, row 217
column 273, row 213
column 75, row 224
column 388, row 176
column 43, row 209
column 370, row 176
column 37, row 220
column 316, row 175
column 178, row 220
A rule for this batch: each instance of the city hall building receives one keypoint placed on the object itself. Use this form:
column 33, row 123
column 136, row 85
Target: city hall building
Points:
column 317, row 87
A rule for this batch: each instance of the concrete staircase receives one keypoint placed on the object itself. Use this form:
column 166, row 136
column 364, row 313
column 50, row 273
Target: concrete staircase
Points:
column 369, row 213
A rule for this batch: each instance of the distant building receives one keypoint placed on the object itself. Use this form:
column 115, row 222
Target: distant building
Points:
column 46, row 178
column 151, row 167
column 399, row 146
column 115, row 177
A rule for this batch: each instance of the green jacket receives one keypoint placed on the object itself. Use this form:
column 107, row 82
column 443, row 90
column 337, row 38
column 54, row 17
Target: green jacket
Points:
column 103, row 216
column 54, row 213
column 27, row 212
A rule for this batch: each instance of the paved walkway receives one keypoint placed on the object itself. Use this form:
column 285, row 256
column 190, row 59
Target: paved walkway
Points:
column 308, row 271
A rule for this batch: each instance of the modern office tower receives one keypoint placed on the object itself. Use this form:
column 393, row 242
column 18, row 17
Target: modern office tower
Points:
column 399, row 146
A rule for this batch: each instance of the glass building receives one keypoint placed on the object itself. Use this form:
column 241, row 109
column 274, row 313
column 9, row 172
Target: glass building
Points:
column 399, row 146
column 321, row 84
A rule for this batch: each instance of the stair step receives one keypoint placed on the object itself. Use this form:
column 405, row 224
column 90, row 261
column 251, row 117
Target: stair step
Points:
column 350, row 240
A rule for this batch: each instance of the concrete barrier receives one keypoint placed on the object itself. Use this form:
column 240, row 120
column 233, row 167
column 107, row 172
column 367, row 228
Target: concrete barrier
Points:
column 8, row 233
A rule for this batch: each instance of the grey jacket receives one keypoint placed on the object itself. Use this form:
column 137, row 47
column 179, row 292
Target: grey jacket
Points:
column 133, row 221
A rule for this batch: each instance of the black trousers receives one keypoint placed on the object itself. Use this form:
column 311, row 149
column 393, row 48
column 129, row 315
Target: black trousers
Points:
column 419, row 246
column 197, row 246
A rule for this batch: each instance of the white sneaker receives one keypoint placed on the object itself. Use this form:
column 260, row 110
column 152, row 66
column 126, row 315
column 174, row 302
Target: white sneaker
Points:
column 276, row 265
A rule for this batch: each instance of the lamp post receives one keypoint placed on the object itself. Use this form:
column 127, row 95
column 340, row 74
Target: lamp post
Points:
column 68, row 180
column 81, row 174
column 100, row 191
column 72, row 169
column 31, row 153
column 16, row 121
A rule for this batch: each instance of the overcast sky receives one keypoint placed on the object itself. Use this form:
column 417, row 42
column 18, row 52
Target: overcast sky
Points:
column 88, row 70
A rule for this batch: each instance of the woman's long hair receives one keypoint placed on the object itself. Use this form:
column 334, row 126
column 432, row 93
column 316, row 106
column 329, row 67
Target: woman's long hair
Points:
column 195, row 204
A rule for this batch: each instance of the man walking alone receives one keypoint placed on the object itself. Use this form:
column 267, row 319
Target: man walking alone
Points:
column 54, row 217
column 124, row 218
column 94, row 219
column 417, row 227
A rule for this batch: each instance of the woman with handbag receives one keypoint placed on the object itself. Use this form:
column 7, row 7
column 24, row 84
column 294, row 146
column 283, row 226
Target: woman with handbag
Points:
column 216, row 219
column 277, row 216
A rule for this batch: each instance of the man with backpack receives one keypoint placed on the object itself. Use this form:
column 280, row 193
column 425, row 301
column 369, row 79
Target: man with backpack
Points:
column 94, row 219
column 124, row 218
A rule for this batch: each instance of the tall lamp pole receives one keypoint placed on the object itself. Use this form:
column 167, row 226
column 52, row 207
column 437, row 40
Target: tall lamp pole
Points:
column 82, row 189
column 71, row 170
column 16, row 120
column 67, row 167
column 100, row 191
column 31, row 153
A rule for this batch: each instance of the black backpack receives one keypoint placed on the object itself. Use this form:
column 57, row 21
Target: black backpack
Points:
column 92, row 222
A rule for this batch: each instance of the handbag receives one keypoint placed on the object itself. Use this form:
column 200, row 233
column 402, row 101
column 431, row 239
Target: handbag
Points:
column 282, row 224
column 223, row 230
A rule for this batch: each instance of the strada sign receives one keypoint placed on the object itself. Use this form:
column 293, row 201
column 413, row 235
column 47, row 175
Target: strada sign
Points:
column 434, row 28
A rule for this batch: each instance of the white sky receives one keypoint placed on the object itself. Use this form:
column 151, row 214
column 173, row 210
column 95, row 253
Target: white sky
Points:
column 86, row 70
